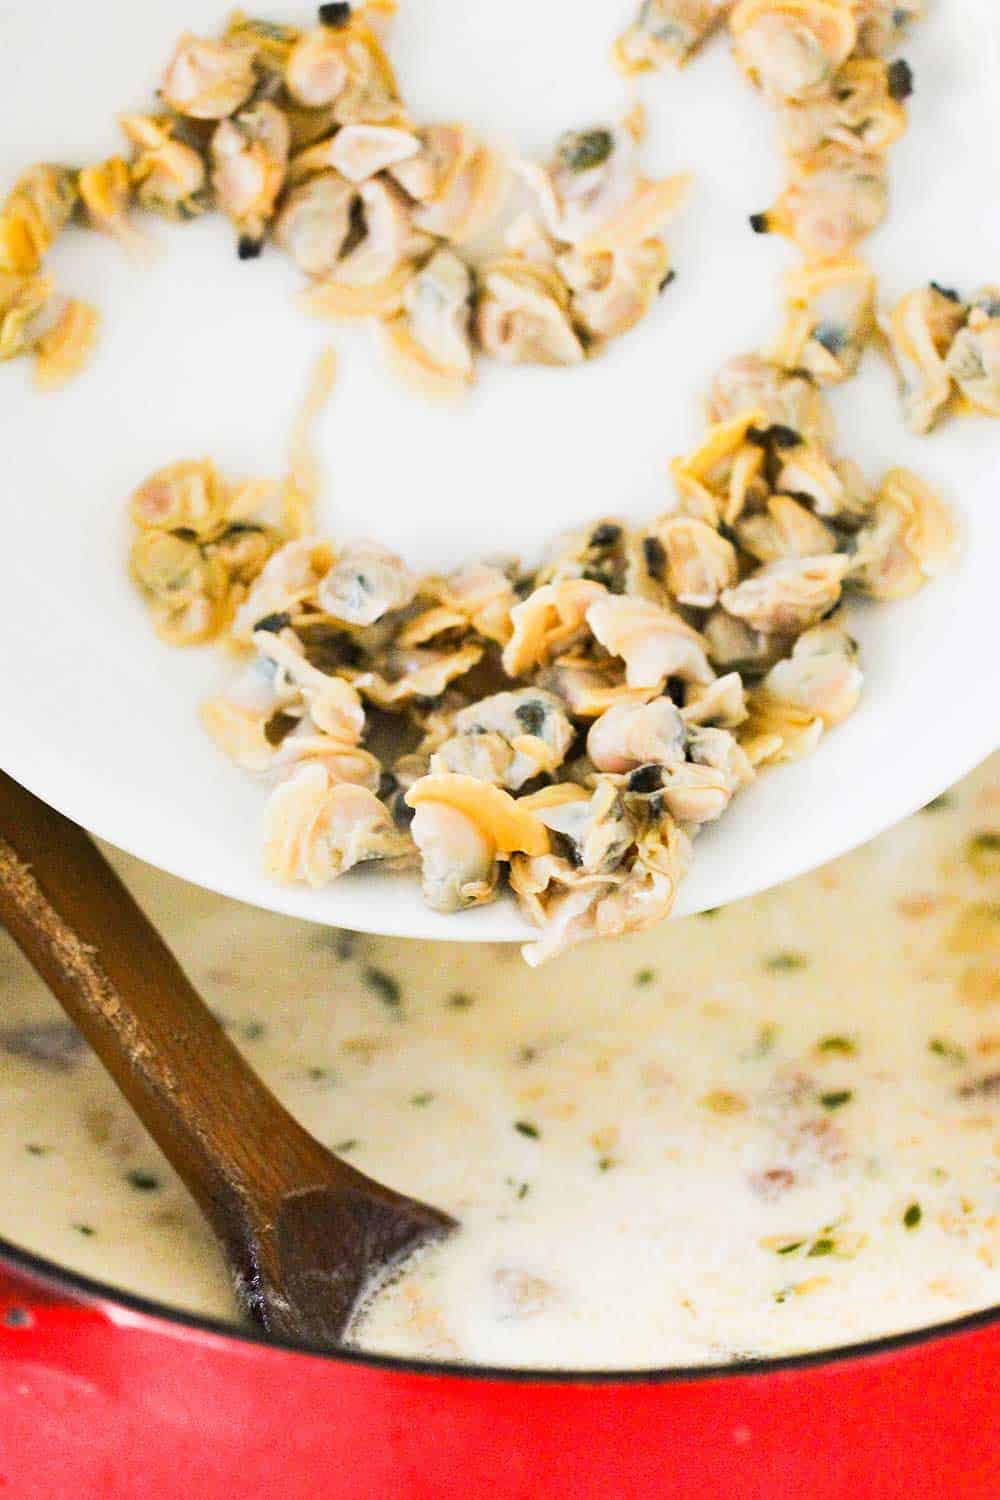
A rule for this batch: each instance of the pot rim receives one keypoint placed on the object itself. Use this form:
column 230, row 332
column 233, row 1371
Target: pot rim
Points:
column 90, row 1290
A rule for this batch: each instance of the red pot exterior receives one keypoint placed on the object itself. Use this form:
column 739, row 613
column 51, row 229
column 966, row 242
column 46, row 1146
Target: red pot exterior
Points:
column 101, row 1401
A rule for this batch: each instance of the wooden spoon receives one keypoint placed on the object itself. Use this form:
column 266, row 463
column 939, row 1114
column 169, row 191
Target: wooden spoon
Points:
column 305, row 1235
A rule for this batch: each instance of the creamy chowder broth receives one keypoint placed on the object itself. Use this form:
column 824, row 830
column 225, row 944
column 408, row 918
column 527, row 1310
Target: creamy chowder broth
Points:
column 767, row 1129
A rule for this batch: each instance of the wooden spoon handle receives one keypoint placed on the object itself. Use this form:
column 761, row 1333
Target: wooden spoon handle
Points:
column 227, row 1136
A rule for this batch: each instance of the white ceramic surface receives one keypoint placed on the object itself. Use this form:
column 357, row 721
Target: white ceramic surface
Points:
column 200, row 354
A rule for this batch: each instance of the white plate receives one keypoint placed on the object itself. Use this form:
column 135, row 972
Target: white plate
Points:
column 202, row 355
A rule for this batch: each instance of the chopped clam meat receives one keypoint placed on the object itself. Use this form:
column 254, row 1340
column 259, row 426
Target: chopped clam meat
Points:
column 788, row 596
column 523, row 315
column 365, row 582
column 629, row 735
column 974, row 357
column 666, row 33
column 208, row 80
column 921, row 330
column 318, row 829
column 884, row 24
column 792, row 48
column 834, row 199
column 653, row 642
column 430, row 337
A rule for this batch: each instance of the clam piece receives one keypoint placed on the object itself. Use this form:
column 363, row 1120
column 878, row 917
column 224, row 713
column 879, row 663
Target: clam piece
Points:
column 387, row 236
column 612, row 291
column 646, row 561
column 734, row 647
column 106, row 194
column 434, row 624
column 559, row 900
column 377, row 259
column 431, row 172
column 263, row 721
column 700, row 562
column 854, row 504
column 595, row 825
column 589, row 688
column 288, row 578
column 344, row 68
column 714, row 482
column 973, row 360
column 37, row 208
column 208, row 80
column 186, row 591
column 551, row 619
column 788, row 596
column 775, row 732
column 429, row 340
column 460, row 827
column 571, row 907
column 821, row 677
column 243, row 550
column 530, row 723
column 709, row 745
column 416, row 674
column 188, row 496
column 318, row 829
column 716, row 705
column 863, row 111
column 306, row 744
column 787, row 398
column 666, row 33
column 806, row 471
column 366, row 582
column 644, row 213
column 653, row 642
column 921, row 329
column 334, row 298
column 168, row 174
column 358, row 152
column 663, row 854
column 29, row 307
column 526, row 236
column 484, row 595
column 314, row 223
column 250, row 159
column 443, row 149
column 241, row 721
column 590, row 178
column 598, row 552
column 333, row 704
column 591, row 196
column 271, row 40
column 523, row 314
column 792, row 48
column 829, row 319
column 883, row 24
column 316, row 70
column 485, row 757
column 785, row 529
column 629, row 735
column 910, row 539
column 459, row 865
column 470, row 199
column 834, row 199
column 696, row 794
column 66, row 343
column 509, row 824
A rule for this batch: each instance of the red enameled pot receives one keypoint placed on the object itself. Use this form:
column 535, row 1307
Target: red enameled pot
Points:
column 107, row 1397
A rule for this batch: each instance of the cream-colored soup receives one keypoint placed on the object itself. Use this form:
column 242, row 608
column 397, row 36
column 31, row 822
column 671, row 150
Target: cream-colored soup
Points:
column 768, row 1129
